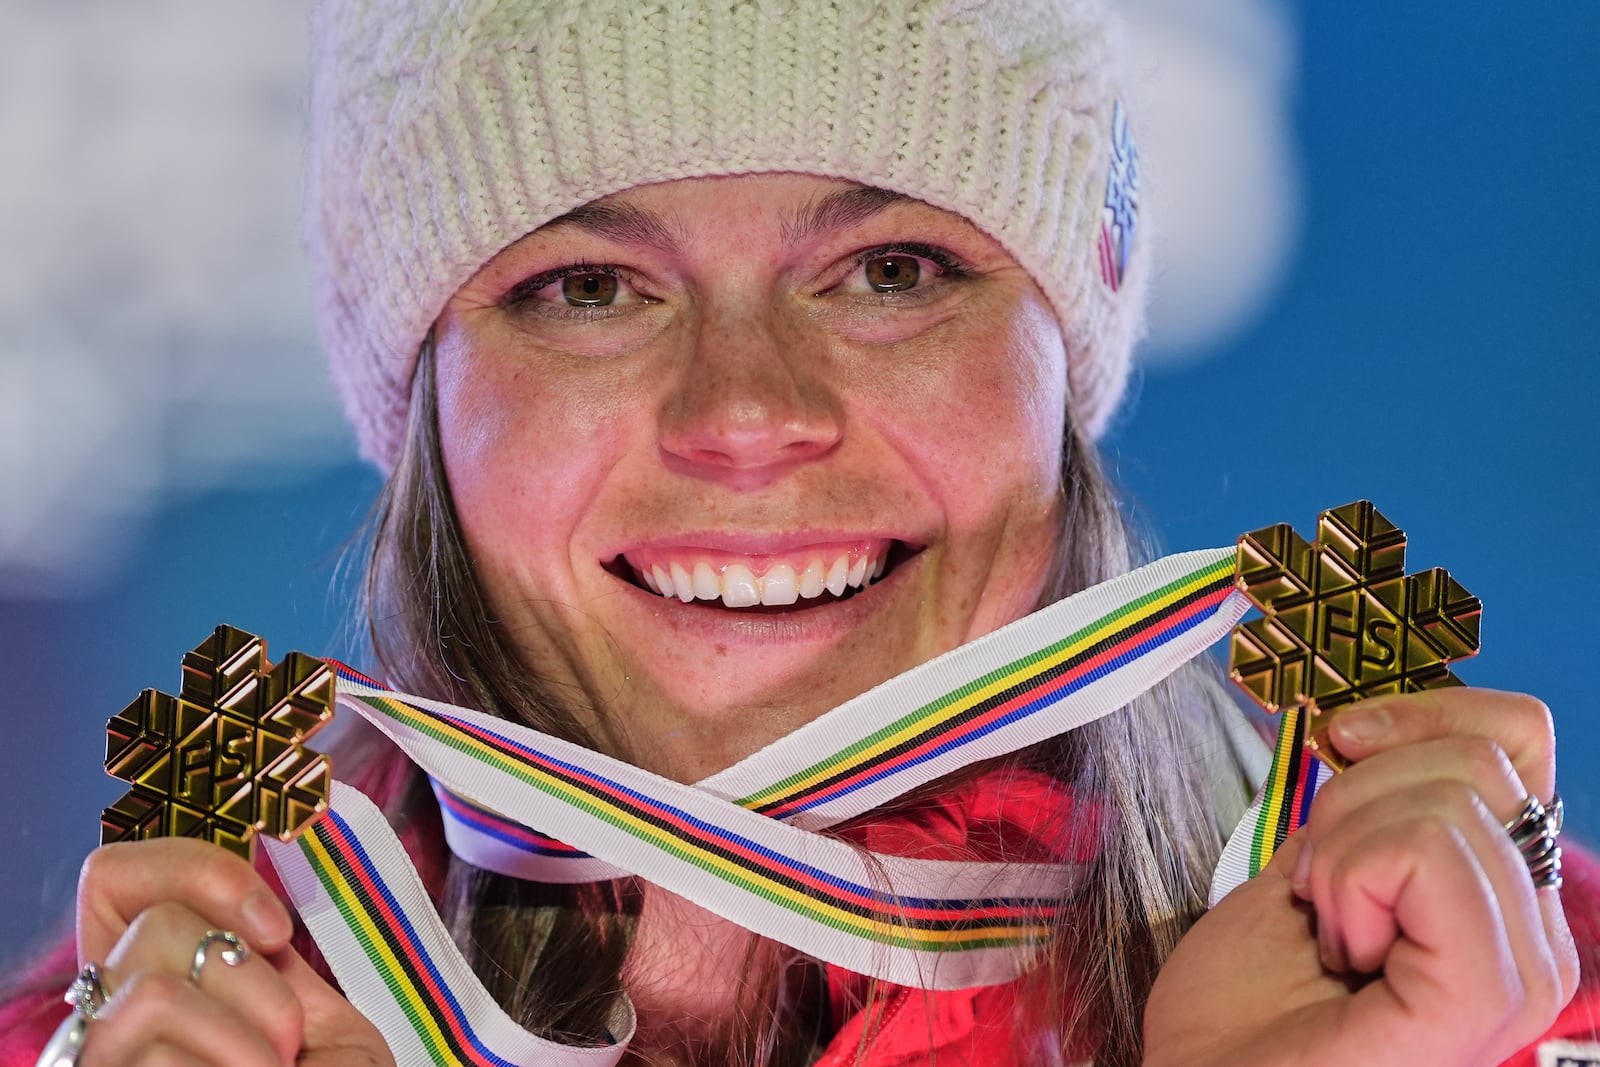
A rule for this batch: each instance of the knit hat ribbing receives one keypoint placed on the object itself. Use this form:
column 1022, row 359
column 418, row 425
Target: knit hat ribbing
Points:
column 444, row 130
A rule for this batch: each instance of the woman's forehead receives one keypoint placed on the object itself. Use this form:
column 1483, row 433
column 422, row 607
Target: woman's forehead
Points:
column 796, row 208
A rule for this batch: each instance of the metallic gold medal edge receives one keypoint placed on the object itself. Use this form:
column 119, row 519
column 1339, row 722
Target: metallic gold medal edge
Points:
column 1353, row 517
column 131, row 816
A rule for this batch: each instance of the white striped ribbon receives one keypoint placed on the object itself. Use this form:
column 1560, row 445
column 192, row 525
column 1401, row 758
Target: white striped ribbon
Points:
column 744, row 843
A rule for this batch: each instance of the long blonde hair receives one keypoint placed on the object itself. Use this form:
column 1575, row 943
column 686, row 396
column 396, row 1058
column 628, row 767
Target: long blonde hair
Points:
column 1162, row 772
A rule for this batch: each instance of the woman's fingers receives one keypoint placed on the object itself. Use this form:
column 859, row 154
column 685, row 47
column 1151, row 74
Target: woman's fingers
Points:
column 145, row 909
column 1392, row 785
column 159, row 1017
column 120, row 881
column 1415, row 883
column 164, row 939
column 1414, row 877
column 1519, row 724
column 1450, row 989
column 1477, row 763
column 1495, row 945
column 335, row 1033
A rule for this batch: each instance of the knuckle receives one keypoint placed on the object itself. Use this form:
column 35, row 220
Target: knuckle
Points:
column 1532, row 714
column 164, row 921
column 1486, row 760
column 1328, row 807
column 284, row 1018
column 222, row 872
column 1346, row 875
column 1529, row 720
column 1446, row 802
column 1434, row 833
column 149, row 995
column 1507, row 998
column 99, row 868
column 1339, row 878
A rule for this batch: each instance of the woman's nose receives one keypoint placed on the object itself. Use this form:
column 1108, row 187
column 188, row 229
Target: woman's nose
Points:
column 752, row 401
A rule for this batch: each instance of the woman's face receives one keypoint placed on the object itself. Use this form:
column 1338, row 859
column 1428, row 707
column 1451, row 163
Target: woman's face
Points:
column 758, row 392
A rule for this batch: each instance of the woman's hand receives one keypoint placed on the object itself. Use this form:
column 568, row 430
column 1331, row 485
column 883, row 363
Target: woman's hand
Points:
column 1400, row 925
column 142, row 911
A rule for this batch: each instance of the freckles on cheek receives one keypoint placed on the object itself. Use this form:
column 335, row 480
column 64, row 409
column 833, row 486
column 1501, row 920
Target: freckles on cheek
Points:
column 473, row 408
column 531, row 448
column 1015, row 413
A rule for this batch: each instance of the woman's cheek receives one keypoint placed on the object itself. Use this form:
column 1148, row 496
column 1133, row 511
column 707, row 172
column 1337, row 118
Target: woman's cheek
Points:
column 1004, row 383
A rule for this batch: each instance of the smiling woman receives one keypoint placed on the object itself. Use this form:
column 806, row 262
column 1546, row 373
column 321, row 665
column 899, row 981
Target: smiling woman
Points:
column 758, row 430
column 757, row 409
column 730, row 389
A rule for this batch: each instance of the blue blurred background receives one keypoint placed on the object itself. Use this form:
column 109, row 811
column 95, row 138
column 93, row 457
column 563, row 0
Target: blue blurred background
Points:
column 1382, row 258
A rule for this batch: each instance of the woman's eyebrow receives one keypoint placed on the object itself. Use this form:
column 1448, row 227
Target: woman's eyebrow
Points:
column 836, row 211
column 627, row 224
column 620, row 222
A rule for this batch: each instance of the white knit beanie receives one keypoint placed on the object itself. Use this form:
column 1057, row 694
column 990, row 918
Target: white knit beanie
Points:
column 444, row 130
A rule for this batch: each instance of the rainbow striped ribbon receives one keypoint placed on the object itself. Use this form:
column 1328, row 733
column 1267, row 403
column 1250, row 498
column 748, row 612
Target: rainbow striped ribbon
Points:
column 1283, row 804
column 744, row 843
column 1007, row 690
column 363, row 902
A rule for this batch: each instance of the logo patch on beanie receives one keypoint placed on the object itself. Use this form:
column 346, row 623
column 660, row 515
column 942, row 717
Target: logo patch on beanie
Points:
column 1121, row 213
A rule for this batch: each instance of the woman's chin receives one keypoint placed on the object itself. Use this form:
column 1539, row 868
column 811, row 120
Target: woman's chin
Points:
column 710, row 685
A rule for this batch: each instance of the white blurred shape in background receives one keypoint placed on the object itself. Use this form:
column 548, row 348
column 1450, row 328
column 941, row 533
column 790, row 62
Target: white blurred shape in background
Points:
column 1215, row 127
column 155, row 334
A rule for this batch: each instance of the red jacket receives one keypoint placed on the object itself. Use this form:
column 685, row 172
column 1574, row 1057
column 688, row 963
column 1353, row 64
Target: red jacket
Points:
column 964, row 1028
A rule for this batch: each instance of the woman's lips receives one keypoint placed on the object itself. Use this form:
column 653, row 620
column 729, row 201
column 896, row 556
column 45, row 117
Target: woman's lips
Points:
column 807, row 574
column 761, row 629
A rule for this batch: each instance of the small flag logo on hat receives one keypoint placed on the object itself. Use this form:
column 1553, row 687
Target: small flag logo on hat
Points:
column 1121, row 214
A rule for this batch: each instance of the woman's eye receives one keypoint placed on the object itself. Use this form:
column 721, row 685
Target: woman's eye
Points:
column 892, row 273
column 589, row 290
column 913, row 269
column 569, row 290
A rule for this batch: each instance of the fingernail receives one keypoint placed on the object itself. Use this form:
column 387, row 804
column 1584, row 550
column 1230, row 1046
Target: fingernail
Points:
column 267, row 916
column 1301, row 878
column 1364, row 724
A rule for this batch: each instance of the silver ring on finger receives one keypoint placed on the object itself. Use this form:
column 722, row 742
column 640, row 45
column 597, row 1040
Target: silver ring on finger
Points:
column 236, row 952
column 1533, row 831
column 87, row 995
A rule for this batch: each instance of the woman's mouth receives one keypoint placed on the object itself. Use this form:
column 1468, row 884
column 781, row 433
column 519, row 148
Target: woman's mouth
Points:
column 802, row 577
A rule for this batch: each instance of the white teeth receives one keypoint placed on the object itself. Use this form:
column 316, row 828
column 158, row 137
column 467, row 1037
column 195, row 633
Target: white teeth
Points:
column 837, row 575
column 739, row 588
column 811, row 581
column 778, row 585
column 682, row 584
column 706, row 585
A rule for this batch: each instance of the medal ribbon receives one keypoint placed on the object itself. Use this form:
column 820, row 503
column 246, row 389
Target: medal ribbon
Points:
column 1282, row 805
column 744, row 843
